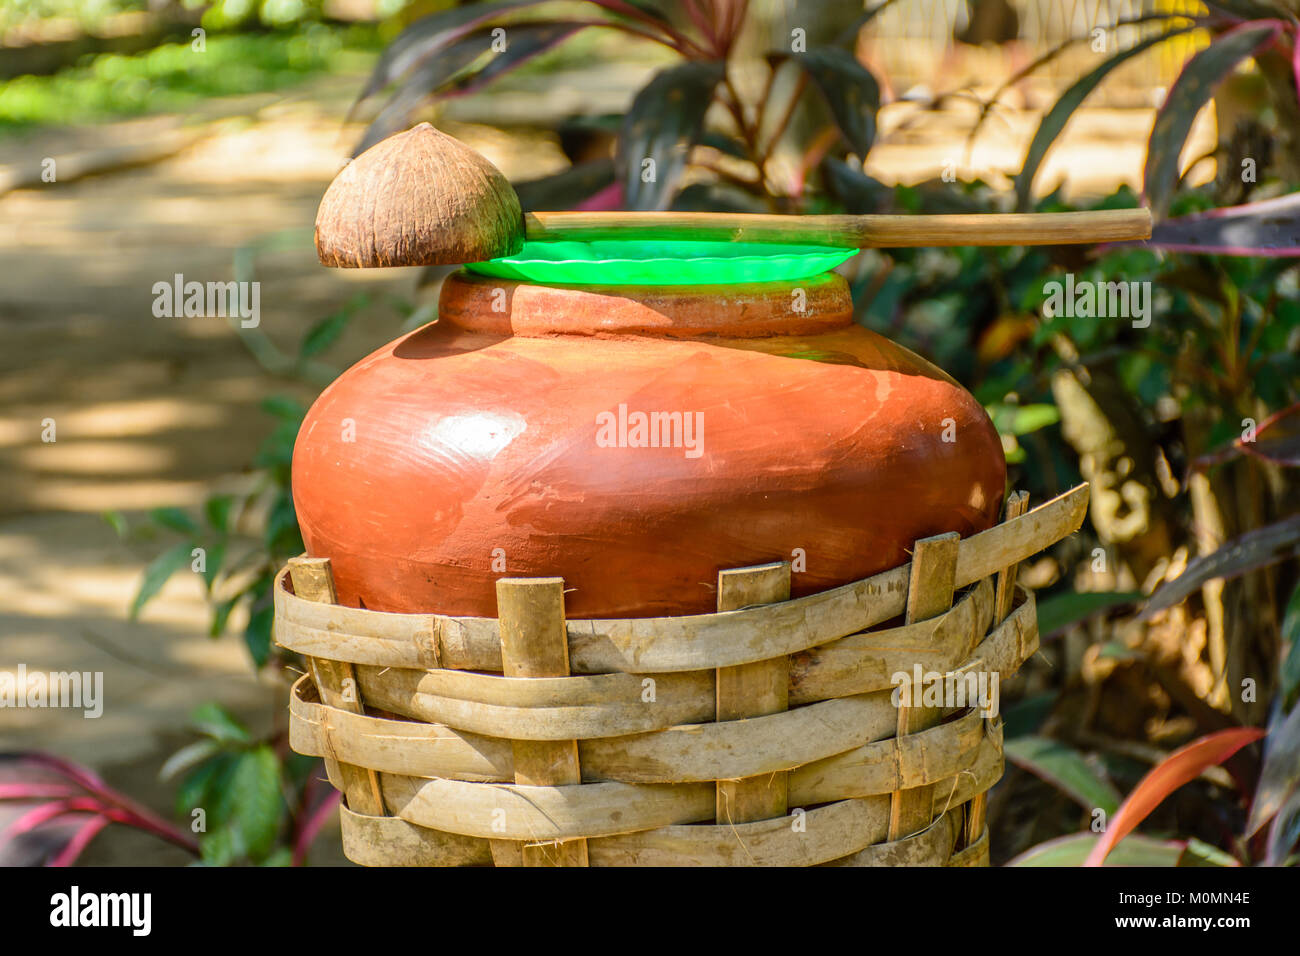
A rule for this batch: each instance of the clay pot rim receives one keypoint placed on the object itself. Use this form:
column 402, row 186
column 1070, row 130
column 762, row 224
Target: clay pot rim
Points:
column 737, row 310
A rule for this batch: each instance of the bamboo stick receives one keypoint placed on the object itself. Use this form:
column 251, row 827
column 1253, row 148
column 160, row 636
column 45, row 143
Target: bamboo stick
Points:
column 929, row 593
column 753, row 690
column 849, row 232
column 336, row 682
column 1017, row 504
column 534, row 644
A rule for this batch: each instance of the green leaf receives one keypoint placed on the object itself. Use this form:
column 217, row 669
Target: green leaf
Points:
column 221, row 614
column 193, row 789
column 280, row 856
column 1198, row 853
column 1025, row 716
column 174, row 518
column 221, row 847
column 1117, row 651
column 1066, row 769
column 217, row 510
column 1060, row 611
column 324, row 333
column 1191, row 91
column 1022, row 419
column 213, row 720
column 1051, row 125
column 188, row 757
column 282, row 406
column 851, row 92
column 281, row 535
column 257, row 635
column 117, row 521
column 665, row 119
column 156, row 574
column 212, row 564
column 254, row 796
column 1072, row 850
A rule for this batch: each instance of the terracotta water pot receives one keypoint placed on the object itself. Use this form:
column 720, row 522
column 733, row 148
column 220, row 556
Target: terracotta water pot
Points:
column 508, row 439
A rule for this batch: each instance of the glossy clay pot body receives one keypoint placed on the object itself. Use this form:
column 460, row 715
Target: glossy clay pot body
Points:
column 476, row 438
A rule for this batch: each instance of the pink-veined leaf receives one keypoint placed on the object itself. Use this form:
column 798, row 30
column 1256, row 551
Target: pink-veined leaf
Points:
column 1277, row 439
column 427, row 36
column 1255, row 549
column 664, row 121
column 43, row 802
column 435, row 74
column 1269, row 228
column 1180, row 767
column 1051, row 125
column 1191, row 91
column 1280, row 773
column 1073, row 849
column 318, row 818
column 850, row 90
column 80, row 840
column 611, row 197
column 1285, row 831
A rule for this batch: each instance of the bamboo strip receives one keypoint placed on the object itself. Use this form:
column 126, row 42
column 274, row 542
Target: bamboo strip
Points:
column 862, row 663
column 752, row 690
column 752, row 747
column 805, row 838
column 389, row 841
column 691, row 753
column 537, row 814
column 929, row 847
column 336, row 683
column 661, row 645
column 397, row 746
column 614, row 707
column 885, row 766
column 929, row 594
column 545, row 814
column 534, row 646
column 1016, row 505
column 973, row 854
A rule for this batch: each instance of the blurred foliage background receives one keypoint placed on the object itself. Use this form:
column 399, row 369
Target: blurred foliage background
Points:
column 1169, row 625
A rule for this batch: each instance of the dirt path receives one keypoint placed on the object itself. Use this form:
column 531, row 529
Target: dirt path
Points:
column 147, row 412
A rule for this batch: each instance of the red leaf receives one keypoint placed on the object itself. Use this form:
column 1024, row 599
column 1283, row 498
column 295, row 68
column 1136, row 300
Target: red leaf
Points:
column 69, row 854
column 1277, row 439
column 1180, row 767
column 611, row 197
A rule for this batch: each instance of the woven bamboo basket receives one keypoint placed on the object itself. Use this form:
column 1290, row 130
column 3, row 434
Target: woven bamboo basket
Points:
column 765, row 734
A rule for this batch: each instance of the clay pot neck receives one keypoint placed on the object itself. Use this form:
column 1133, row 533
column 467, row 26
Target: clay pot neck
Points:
column 510, row 307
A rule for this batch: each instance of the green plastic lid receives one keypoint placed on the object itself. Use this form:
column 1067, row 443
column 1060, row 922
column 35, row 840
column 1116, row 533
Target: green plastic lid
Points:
column 661, row 262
